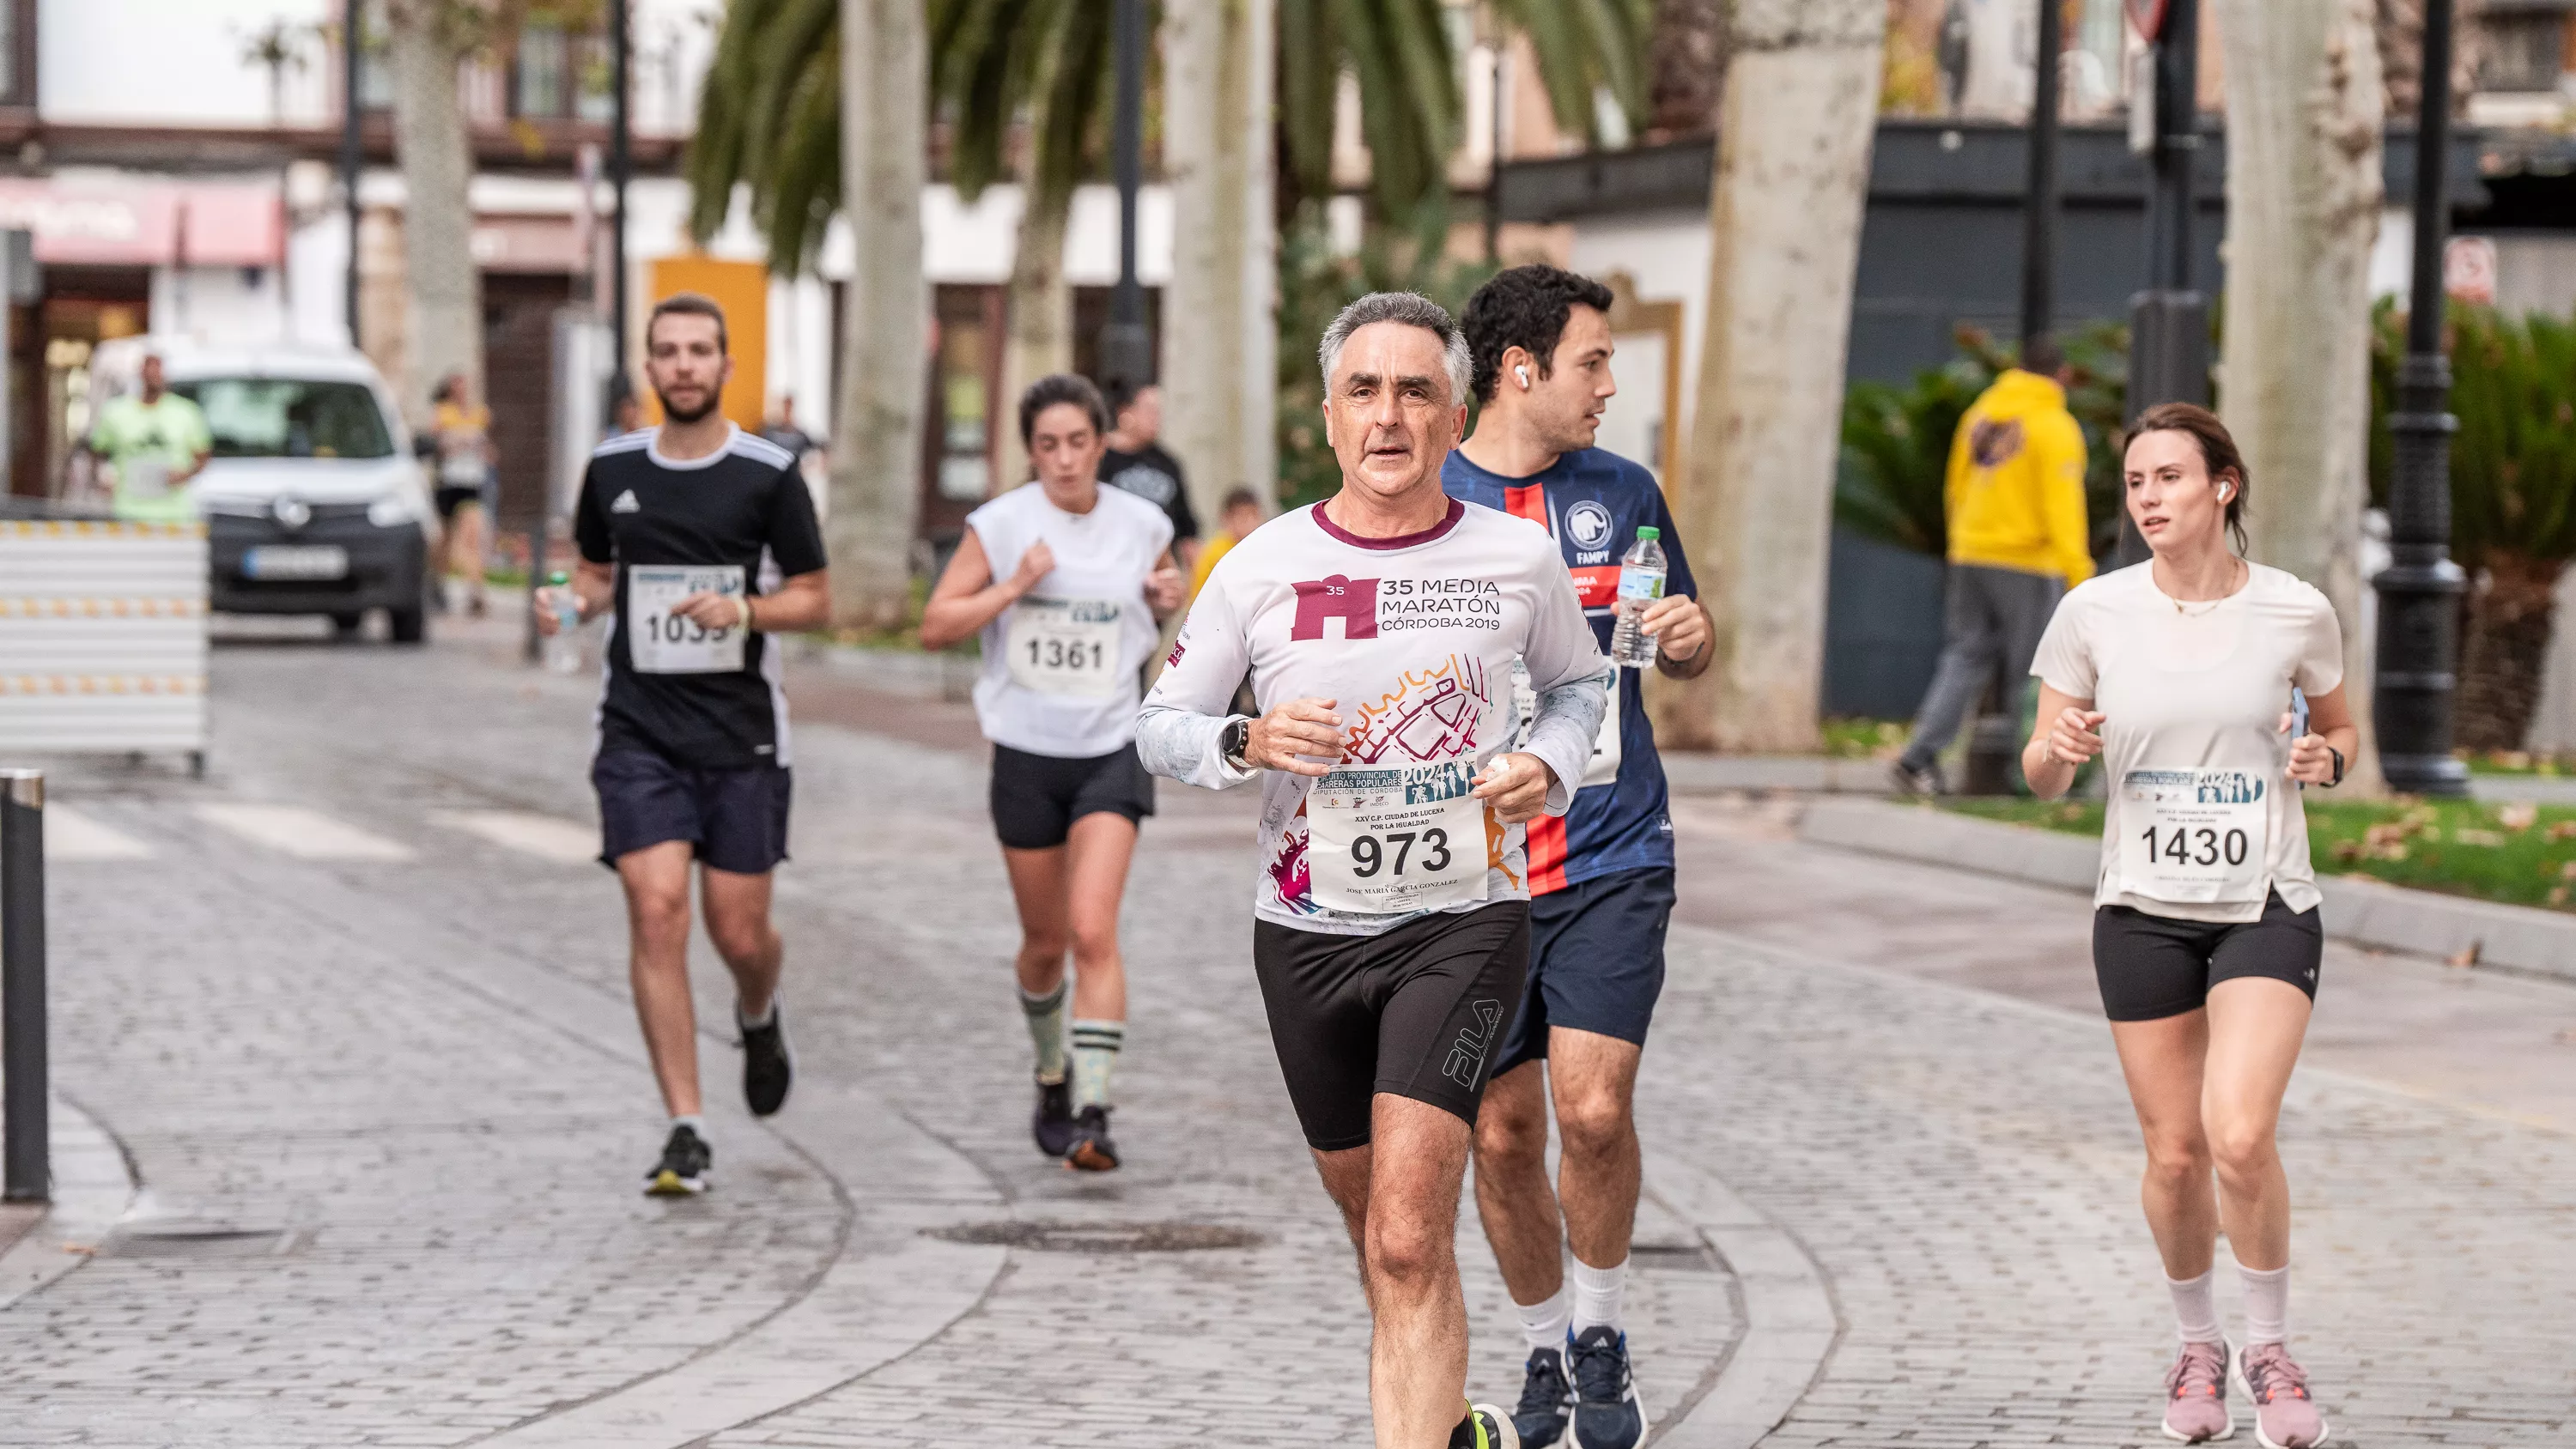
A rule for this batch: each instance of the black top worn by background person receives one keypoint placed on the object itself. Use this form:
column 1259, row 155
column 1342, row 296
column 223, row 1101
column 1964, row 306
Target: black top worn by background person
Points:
column 744, row 505
column 1155, row 476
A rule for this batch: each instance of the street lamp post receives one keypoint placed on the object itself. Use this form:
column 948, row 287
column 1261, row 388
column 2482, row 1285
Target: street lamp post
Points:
column 2169, row 321
column 621, row 168
column 352, row 153
column 2039, row 217
column 1126, row 354
column 2419, row 591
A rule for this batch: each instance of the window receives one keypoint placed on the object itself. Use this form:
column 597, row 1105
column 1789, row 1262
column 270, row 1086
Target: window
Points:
column 557, row 74
column 289, row 418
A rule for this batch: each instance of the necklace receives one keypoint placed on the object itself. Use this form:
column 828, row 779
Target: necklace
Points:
column 2206, row 605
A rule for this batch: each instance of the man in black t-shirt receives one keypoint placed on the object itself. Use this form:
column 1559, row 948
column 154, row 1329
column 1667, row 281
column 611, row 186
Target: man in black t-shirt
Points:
column 698, row 540
column 1136, row 463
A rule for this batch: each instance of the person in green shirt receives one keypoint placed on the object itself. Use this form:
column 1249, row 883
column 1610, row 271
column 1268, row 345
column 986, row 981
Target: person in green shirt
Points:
column 156, row 443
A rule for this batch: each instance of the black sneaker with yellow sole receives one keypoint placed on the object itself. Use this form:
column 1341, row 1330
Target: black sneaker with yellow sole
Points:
column 683, row 1170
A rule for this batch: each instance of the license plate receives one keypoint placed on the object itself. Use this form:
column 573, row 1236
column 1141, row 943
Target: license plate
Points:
column 296, row 561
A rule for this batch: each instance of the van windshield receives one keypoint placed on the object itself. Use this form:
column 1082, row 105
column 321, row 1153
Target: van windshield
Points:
column 275, row 417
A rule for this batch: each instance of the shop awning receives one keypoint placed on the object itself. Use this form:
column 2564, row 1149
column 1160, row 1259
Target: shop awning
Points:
column 145, row 223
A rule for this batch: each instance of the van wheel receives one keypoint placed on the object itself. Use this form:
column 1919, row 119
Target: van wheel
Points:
column 347, row 625
column 410, row 626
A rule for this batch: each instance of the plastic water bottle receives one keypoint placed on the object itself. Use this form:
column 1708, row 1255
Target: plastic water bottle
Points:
column 1641, row 582
column 563, row 651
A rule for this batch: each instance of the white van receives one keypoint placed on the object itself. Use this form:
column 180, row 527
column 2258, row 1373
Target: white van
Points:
column 314, row 501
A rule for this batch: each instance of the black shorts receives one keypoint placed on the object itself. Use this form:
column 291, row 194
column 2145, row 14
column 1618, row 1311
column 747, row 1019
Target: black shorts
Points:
column 1415, row 1012
column 1036, row 798
column 736, row 819
column 2152, row 967
column 1596, row 961
column 451, row 497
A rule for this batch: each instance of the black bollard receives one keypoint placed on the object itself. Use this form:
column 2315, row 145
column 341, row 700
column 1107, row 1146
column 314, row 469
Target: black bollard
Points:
column 24, row 1132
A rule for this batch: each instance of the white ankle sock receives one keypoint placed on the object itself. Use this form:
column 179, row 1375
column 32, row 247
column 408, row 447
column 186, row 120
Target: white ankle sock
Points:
column 694, row 1123
column 1545, row 1322
column 2267, row 1305
column 2195, row 1303
column 1597, row 1294
column 766, row 1017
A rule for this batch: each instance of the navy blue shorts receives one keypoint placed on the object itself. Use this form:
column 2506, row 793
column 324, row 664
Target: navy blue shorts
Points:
column 1596, row 961
column 736, row 819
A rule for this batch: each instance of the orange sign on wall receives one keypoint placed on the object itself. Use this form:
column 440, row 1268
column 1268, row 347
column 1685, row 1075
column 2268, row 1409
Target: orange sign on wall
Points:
column 742, row 289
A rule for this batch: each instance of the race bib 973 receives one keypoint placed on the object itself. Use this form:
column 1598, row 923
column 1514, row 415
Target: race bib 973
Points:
column 2198, row 837
column 1381, row 841
column 1064, row 646
column 667, row 643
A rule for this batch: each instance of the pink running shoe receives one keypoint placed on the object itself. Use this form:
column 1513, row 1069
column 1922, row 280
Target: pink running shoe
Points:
column 2196, row 1395
column 2284, row 1416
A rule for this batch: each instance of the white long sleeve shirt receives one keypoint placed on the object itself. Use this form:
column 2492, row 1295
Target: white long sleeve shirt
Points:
column 1412, row 639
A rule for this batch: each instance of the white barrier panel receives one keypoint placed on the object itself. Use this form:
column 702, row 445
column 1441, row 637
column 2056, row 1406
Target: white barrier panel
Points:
column 102, row 636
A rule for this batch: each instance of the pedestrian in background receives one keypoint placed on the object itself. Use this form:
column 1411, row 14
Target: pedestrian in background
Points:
column 1235, row 523
column 461, row 432
column 156, row 443
column 1136, row 463
column 2018, row 540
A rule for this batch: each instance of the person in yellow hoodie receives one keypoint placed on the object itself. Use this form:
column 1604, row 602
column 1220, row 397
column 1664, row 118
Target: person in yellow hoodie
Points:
column 2018, row 541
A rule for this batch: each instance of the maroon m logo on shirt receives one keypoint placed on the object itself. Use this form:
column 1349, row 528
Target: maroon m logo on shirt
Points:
column 1353, row 601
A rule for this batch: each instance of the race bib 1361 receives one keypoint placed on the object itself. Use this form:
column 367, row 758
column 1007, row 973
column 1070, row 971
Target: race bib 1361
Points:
column 1064, row 646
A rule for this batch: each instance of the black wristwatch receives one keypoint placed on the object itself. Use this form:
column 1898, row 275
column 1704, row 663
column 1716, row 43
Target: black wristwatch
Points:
column 1238, row 738
column 2338, row 774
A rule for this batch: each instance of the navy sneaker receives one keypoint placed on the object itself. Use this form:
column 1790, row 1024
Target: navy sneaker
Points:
column 1053, row 1124
column 1606, row 1412
column 1547, row 1400
column 683, row 1170
column 1484, row 1428
column 1092, row 1151
column 768, row 1065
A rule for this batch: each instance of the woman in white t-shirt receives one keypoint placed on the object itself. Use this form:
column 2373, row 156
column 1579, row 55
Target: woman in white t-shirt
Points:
column 2180, row 675
column 1063, row 580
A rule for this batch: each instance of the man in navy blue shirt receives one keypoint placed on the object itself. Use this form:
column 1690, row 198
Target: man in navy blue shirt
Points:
column 1601, row 878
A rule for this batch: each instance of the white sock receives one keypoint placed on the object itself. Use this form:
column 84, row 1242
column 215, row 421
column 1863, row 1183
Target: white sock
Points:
column 1546, row 1322
column 694, row 1123
column 2195, row 1303
column 1597, row 1292
column 766, row 1017
column 1095, row 1058
column 2267, row 1305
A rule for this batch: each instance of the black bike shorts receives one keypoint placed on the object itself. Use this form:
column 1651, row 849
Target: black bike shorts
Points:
column 2152, row 967
column 1036, row 798
column 1416, row 1012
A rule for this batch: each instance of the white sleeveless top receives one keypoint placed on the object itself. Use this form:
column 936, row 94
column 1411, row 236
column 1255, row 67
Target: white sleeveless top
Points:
column 1061, row 665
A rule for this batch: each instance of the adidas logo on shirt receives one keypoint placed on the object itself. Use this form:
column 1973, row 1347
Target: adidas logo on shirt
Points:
column 626, row 503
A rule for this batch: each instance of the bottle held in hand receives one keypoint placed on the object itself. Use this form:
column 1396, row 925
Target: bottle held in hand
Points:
column 563, row 651
column 1641, row 583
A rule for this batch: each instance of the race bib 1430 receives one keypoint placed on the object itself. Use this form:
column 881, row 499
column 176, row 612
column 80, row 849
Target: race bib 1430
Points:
column 667, row 643
column 2198, row 837
column 1381, row 841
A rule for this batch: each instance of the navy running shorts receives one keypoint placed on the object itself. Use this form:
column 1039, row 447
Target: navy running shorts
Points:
column 736, row 819
column 1413, row 1013
column 1596, row 961
column 2152, row 967
column 1036, row 798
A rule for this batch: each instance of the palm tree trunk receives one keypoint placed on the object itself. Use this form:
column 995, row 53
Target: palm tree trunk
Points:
column 1038, row 337
column 443, row 292
column 2504, row 649
column 1756, row 503
column 876, row 463
column 1220, row 383
column 2303, row 201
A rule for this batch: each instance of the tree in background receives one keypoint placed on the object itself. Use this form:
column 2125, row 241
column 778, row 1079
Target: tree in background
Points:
column 2304, row 194
column 1220, row 408
column 1755, row 501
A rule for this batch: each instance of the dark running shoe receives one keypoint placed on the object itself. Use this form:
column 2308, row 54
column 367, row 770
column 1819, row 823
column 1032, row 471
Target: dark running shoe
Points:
column 1910, row 780
column 1485, row 1427
column 1547, row 1400
column 1606, row 1412
column 1054, row 1125
column 682, row 1172
column 768, row 1065
column 1092, row 1151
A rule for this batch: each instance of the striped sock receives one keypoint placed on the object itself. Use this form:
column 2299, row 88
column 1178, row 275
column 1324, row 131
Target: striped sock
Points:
column 1046, row 1029
column 1095, row 1057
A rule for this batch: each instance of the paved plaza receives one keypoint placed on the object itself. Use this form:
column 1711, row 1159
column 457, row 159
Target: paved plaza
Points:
column 348, row 1019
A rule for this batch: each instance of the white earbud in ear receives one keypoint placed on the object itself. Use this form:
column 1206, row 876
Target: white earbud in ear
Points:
column 2226, row 491
column 1523, row 374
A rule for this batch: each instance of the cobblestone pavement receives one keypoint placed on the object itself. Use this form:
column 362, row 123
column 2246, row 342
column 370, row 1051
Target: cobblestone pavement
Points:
column 412, row 1080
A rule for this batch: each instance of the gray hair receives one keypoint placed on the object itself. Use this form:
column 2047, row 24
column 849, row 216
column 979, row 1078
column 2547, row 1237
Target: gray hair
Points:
column 1413, row 310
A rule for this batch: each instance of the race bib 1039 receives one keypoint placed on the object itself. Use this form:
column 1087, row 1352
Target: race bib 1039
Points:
column 663, row 642
column 2198, row 837
column 1382, row 841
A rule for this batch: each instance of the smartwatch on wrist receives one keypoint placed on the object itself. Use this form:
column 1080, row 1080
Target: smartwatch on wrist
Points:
column 2338, row 763
column 1238, row 738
